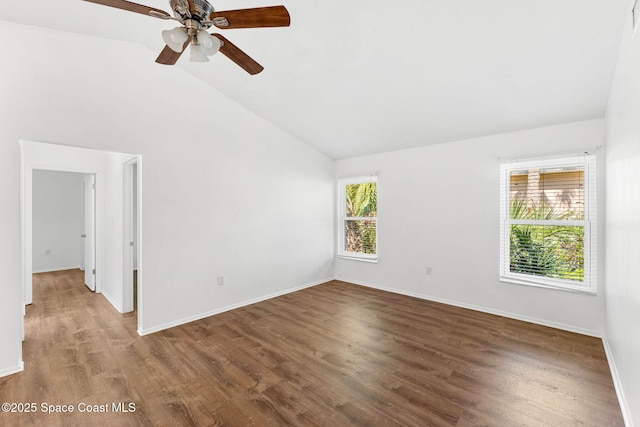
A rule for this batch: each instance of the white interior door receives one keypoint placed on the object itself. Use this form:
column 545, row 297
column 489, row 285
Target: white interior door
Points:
column 89, row 232
column 129, row 226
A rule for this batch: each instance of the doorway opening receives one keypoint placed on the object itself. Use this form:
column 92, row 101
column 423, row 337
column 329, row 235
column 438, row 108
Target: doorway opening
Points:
column 63, row 223
column 104, row 175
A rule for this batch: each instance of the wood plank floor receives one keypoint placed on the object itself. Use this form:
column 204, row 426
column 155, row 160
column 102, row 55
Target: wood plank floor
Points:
column 334, row 355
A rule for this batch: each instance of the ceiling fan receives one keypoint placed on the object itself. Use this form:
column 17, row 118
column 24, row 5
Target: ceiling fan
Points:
column 196, row 17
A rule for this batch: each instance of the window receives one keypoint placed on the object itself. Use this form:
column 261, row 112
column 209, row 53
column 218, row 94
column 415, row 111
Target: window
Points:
column 548, row 223
column 358, row 217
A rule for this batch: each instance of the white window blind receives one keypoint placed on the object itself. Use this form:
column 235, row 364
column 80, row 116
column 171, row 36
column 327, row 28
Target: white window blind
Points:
column 358, row 218
column 548, row 222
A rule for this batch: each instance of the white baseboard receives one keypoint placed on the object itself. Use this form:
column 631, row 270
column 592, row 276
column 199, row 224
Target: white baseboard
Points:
column 50, row 270
column 168, row 325
column 112, row 301
column 543, row 322
column 624, row 407
column 12, row 370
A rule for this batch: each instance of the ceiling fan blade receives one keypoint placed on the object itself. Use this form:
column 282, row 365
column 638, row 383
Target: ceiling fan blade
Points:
column 133, row 7
column 272, row 16
column 234, row 53
column 169, row 56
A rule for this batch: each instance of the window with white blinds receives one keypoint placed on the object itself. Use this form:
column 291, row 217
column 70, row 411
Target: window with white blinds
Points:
column 358, row 218
column 548, row 222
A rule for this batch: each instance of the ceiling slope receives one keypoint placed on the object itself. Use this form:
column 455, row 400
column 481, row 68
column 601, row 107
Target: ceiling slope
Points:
column 362, row 77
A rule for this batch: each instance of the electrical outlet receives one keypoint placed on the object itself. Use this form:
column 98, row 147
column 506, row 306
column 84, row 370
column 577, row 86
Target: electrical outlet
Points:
column 427, row 270
column 220, row 280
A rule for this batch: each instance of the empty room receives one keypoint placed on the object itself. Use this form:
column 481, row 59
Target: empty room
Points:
column 320, row 213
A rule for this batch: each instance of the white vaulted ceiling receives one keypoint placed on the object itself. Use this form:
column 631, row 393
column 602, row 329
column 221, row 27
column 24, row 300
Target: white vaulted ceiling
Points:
column 359, row 77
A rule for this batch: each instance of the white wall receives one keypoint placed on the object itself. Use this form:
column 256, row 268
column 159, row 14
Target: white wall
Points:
column 439, row 207
column 223, row 191
column 623, row 224
column 57, row 220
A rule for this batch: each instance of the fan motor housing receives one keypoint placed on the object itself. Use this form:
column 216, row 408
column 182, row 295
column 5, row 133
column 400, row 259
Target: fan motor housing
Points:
column 202, row 11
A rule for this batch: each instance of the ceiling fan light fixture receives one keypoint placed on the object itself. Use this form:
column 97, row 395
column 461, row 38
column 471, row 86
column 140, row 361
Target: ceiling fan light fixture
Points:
column 210, row 45
column 197, row 17
column 197, row 53
column 175, row 38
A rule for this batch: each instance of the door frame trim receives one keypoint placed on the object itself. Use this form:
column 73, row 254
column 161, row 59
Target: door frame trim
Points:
column 93, row 265
column 27, row 222
column 128, row 221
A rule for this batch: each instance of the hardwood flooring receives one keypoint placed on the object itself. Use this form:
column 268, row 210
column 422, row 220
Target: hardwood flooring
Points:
column 336, row 354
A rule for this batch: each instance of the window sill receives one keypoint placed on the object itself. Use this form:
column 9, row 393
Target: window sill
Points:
column 558, row 287
column 357, row 258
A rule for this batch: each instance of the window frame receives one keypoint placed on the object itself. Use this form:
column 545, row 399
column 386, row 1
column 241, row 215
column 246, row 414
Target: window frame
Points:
column 342, row 218
column 589, row 284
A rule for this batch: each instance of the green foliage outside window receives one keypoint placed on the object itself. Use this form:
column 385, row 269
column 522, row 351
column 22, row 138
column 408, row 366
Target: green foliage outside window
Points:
column 546, row 250
column 361, row 202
